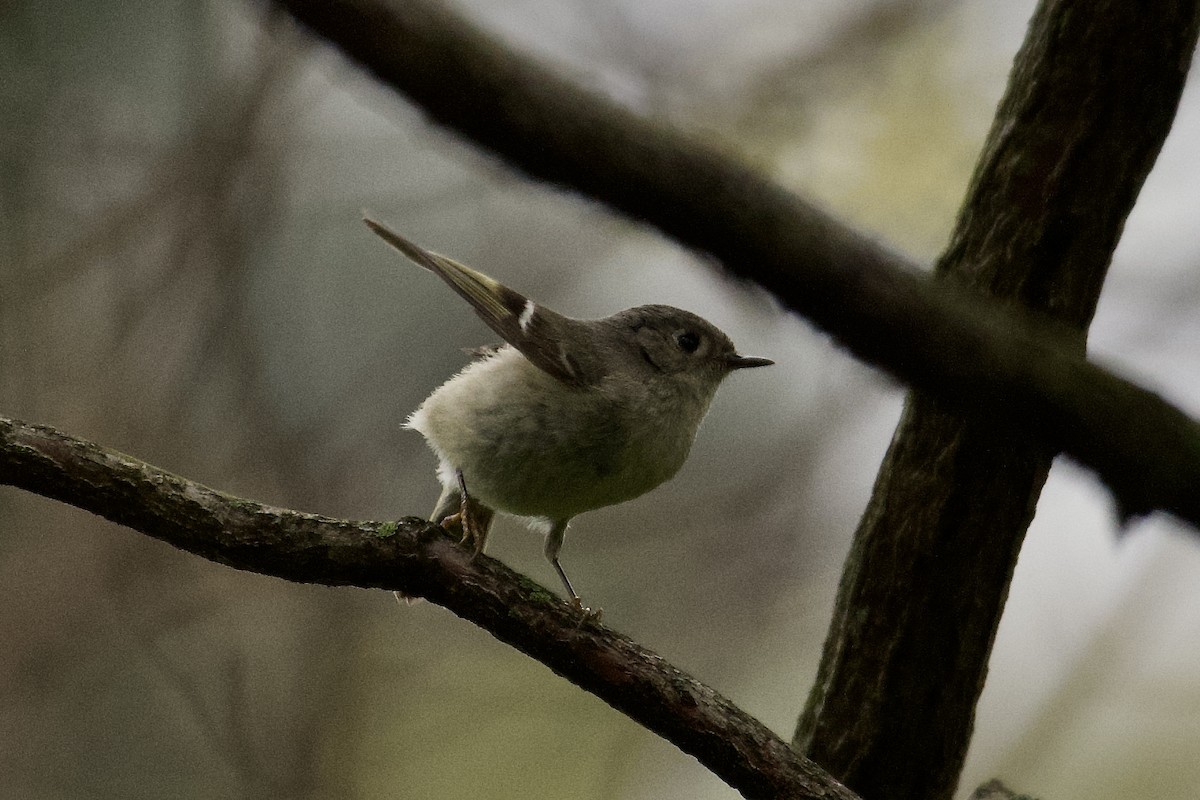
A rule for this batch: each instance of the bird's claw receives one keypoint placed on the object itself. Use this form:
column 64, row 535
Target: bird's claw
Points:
column 470, row 530
column 588, row 614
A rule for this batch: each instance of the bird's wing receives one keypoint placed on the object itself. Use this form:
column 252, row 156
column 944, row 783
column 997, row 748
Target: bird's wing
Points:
column 541, row 335
column 483, row 351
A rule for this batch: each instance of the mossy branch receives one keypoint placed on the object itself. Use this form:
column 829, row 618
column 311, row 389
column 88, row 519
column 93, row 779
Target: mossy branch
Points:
column 416, row 557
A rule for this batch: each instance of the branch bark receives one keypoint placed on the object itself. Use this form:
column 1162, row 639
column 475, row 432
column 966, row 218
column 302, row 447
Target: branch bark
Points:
column 995, row 790
column 1091, row 98
column 971, row 355
column 954, row 496
column 417, row 558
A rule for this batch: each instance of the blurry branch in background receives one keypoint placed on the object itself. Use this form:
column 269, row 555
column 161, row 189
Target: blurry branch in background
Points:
column 418, row 558
column 229, row 741
column 976, row 357
column 137, row 240
column 185, row 242
column 229, row 166
column 856, row 44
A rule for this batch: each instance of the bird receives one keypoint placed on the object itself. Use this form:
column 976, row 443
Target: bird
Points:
column 567, row 415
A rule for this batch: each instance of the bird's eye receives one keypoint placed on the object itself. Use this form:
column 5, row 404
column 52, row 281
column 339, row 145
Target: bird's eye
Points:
column 688, row 341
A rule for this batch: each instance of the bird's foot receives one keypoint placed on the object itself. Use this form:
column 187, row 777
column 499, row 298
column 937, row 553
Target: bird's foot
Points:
column 589, row 615
column 452, row 521
column 406, row 599
column 464, row 521
column 474, row 531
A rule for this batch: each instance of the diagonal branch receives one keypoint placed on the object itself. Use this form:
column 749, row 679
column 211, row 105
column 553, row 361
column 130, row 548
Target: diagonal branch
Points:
column 1091, row 98
column 415, row 557
column 971, row 355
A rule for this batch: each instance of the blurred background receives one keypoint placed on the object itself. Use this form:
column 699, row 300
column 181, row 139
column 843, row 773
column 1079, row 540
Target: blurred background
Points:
column 184, row 277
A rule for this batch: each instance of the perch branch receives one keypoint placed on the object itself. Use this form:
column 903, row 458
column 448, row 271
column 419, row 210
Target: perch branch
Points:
column 995, row 790
column 417, row 558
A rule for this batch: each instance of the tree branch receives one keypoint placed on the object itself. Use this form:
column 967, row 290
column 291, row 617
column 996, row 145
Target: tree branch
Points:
column 971, row 355
column 995, row 790
column 1091, row 98
column 418, row 558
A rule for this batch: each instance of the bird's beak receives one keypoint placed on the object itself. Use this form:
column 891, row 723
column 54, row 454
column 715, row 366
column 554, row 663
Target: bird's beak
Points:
column 745, row 362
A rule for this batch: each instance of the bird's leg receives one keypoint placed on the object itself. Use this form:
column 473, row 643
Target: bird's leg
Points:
column 472, row 516
column 554, row 541
column 456, row 508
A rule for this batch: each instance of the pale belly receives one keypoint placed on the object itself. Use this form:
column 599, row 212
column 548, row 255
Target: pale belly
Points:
column 569, row 452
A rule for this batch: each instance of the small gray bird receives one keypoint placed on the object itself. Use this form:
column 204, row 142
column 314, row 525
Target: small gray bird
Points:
column 570, row 415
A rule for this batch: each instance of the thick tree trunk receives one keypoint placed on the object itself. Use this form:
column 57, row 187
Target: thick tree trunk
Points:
column 1091, row 98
